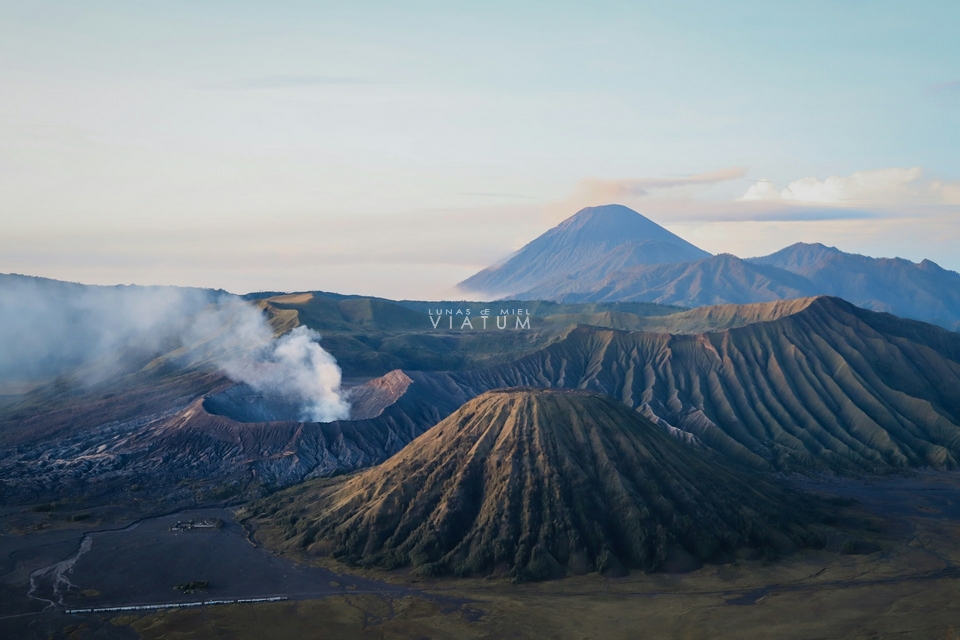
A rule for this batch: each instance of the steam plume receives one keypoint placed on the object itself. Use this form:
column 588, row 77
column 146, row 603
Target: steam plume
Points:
column 297, row 367
column 50, row 328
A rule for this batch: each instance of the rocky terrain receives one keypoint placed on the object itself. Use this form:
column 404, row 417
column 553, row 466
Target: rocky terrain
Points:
column 812, row 385
column 535, row 483
column 809, row 385
column 190, row 452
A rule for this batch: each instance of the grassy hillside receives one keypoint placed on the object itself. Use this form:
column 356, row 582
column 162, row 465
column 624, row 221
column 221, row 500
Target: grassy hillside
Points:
column 699, row 320
column 371, row 336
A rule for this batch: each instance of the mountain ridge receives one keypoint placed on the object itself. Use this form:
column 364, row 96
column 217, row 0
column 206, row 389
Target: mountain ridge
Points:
column 826, row 387
column 815, row 385
column 719, row 279
column 634, row 273
column 580, row 241
column 920, row 290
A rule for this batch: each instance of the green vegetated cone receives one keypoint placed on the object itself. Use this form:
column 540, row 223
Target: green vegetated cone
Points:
column 537, row 484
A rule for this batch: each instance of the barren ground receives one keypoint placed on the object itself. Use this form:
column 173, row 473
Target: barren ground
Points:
column 909, row 588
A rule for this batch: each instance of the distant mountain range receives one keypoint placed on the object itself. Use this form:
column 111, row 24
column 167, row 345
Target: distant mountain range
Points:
column 923, row 291
column 613, row 254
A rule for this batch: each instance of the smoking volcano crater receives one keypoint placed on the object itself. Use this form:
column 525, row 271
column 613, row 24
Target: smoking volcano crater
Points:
column 244, row 403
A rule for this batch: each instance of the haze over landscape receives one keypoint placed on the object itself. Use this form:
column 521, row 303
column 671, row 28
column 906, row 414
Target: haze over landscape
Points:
column 343, row 320
column 388, row 151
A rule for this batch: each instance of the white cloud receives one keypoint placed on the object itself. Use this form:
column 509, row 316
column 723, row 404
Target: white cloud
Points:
column 881, row 186
column 890, row 186
column 608, row 190
column 598, row 191
column 762, row 190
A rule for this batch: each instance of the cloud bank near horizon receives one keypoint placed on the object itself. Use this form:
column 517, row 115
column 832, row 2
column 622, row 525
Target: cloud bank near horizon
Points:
column 888, row 212
column 420, row 253
column 878, row 188
column 870, row 194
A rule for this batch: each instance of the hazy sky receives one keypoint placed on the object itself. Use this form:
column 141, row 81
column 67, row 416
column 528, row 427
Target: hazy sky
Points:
column 396, row 148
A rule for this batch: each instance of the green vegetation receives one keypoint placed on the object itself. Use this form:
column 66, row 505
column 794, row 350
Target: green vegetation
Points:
column 192, row 587
column 371, row 336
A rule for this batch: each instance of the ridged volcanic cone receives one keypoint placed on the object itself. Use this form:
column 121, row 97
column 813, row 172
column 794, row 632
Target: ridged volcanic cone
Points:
column 534, row 483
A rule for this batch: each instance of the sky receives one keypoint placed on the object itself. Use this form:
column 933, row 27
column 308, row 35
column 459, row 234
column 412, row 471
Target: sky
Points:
column 394, row 149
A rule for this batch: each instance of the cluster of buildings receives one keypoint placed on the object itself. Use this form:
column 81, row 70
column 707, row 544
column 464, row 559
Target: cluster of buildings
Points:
column 191, row 524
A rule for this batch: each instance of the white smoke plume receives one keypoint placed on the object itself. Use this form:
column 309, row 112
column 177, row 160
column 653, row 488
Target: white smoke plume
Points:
column 295, row 366
column 50, row 328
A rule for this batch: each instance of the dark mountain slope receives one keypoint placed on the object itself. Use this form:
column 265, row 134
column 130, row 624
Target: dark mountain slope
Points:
column 370, row 336
column 806, row 385
column 698, row 320
column 828, row 386
column 722, row 279
column 924, row 291
column 799, row 257
column 589, row 238
column 324, row 313
column 535, row 483
column 226, row 443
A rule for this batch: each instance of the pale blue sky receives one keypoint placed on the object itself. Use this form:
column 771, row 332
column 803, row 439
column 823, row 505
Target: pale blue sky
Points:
column 394, row 148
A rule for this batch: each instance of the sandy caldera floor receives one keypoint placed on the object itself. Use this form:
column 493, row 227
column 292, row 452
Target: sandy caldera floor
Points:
column 908, row 588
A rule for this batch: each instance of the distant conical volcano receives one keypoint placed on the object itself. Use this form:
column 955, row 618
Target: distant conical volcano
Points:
column 602, row 239
column 538, row 483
